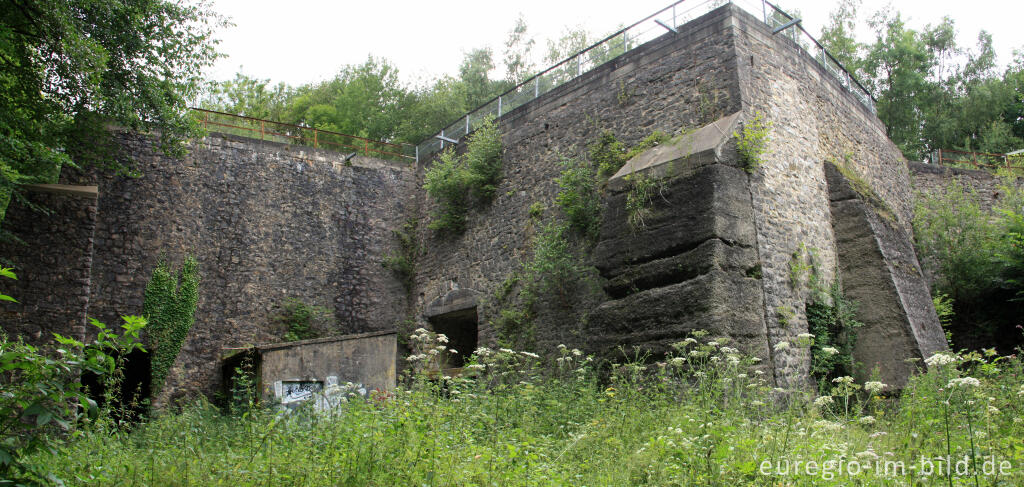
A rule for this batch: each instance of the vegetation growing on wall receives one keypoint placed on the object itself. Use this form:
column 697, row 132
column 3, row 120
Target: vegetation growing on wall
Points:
column 303, row 321
column 579, row 197
column 640, row 198
column 454, row 180
column 403, row 262
column 609, row 155
column 752, row 141
column 831, row 318
column 169, row 305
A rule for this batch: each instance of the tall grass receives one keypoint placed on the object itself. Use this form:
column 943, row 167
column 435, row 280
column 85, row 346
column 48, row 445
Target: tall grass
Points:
column 706, row 415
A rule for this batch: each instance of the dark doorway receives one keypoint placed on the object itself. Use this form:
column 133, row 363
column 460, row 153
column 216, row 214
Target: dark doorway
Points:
column 130, row 397
column 461, row 329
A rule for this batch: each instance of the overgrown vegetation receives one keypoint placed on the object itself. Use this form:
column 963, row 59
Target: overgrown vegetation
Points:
column 169, row 306
column 303, row 321
column 976, row 258
column 752, row 141
column 455, row 180
column 579, row 197
column 43, row 399
column 609, row 155
column 705, row 415
column 831, row 318
column 403, row 262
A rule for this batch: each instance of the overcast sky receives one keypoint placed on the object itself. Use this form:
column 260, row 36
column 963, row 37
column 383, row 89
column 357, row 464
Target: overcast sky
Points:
column 307, row 40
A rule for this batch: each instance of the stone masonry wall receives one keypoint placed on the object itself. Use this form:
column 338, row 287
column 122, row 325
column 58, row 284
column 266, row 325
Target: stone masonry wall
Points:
column 933, row 179
column 814, row 120
column 266, row 221
column 680, row 80
column 52, row 263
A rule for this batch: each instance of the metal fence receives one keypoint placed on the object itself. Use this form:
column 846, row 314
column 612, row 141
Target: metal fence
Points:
column 979, row 160
column 647, row 29
column 296, row 134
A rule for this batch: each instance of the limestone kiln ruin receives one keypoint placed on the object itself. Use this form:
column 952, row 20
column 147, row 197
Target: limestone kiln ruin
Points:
column 267, row 220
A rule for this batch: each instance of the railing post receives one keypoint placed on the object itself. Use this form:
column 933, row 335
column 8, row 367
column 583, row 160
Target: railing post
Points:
column 467, row 123
column 314, row 139
column 262, row 130
column 499, row 106
column 536, row 87
column 764, row 11
column 674, row 24
column 417, row 153
column 366, row 148
column 442, row 139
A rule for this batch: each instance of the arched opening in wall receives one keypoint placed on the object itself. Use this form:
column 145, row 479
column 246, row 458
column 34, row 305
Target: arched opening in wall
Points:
column 128, row 390
column 461, row 328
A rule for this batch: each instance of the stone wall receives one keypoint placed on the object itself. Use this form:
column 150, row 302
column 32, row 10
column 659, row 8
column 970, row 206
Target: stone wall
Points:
column 52, row 261
column 934, row 179
column 675, row 81
column 266, row 222
column 814, row 120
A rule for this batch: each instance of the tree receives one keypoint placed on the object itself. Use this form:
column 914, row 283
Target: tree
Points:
column 247, row 96
column 367, row 100
column 518, row 54
column 838, row 35
column 71, row 68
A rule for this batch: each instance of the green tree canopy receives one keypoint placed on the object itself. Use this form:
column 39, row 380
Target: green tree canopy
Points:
column 71, row 68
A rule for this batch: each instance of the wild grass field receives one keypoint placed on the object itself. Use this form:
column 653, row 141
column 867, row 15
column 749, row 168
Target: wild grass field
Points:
column 706, row 415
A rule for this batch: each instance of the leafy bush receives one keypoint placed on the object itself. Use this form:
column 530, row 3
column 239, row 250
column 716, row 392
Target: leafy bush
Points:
column 579, row 198
column 453, row 180
column 608, row 154
column 169, row 305
column 752, row 142
column 303, row 321
column 42, row 394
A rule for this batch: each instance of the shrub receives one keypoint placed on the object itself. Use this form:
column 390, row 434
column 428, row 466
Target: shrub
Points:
column 169, row 305
column 579, row 199
column 752, row 142
column 607, row 154
column 453, row 180
column 303, row 321
column 831, row 318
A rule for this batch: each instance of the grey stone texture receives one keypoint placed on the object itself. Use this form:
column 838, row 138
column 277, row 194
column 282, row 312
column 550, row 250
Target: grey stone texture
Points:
column 52, row 257
column 675, row 81
column 878, row 269
column 934, row 179
column 266, row 221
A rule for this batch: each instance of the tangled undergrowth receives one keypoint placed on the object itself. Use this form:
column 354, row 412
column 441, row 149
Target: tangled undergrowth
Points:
column 705, row 415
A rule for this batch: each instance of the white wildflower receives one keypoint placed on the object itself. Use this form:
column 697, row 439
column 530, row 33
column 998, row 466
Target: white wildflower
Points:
column 677, row 361
column 963, row 382
column 442, row 338
column 781, row 346
column 530, row 354
column 829, row 350
column 805, row 336
column 874, row 386
column 843, row 380
column 866, row 420
column 823, row 401
column 940, row 359
column 993, row 410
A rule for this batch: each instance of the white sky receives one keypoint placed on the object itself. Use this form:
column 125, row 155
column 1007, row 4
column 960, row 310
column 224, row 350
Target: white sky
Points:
column 307, row 40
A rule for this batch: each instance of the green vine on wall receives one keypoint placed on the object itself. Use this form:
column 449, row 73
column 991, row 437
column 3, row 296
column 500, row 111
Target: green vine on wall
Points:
column 169, row 305
column 455, row 180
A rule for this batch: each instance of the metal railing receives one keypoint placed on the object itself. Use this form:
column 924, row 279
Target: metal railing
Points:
column 776, row 18
column 255, row 128
column 980, row 160
column 622, row 41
